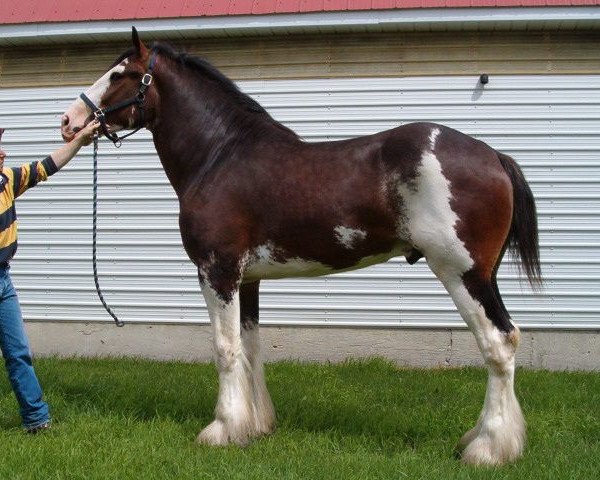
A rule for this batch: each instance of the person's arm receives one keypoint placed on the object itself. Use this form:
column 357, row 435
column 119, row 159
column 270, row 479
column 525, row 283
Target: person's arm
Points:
column 62, row 155
column 30, row 174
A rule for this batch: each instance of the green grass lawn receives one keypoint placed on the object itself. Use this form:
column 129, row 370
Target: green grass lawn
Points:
column 138, row 419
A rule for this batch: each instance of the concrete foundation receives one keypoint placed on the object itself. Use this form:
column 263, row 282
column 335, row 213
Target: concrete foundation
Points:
column 554, row 350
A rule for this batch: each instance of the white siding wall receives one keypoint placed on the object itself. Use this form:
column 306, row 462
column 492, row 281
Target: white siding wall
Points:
column 550, row 124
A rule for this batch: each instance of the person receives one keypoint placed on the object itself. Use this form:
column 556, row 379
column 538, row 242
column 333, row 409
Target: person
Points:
column 14, row 181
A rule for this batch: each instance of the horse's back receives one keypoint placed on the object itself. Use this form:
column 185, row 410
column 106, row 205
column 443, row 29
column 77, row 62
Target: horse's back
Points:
column 466, row 163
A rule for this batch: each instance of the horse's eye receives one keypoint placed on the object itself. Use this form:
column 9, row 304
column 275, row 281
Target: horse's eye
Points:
column 115, row 76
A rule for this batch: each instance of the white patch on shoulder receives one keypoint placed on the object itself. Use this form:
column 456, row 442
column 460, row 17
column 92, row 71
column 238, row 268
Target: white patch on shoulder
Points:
column 349, row 237
column 430, row 220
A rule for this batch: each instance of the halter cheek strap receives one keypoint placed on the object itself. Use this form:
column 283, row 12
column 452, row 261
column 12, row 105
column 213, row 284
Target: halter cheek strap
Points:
column 137, row 100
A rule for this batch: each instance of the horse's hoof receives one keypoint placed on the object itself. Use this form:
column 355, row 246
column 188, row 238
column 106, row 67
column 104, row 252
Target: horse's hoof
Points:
column 265, row 423
column 268, row 428
column 477, row 448
column 214, row 434
column 465, row 440
column 481, row 452
column 220, row 433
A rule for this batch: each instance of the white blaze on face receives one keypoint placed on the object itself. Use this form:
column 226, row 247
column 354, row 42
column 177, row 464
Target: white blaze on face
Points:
column 79, row 111
column 98, row 89
column 349, row 237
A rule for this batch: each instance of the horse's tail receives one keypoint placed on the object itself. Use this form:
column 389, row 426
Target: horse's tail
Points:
column 523, row 235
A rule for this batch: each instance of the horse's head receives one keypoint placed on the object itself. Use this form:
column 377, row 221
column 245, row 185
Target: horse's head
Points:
column 122, row 95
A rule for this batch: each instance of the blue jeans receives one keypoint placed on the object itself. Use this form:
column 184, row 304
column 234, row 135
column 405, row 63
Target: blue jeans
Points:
column 17, row 356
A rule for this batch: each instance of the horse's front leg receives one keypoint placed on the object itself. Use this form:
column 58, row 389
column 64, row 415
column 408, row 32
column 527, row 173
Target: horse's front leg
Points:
column 263, row 410
column 234, row 417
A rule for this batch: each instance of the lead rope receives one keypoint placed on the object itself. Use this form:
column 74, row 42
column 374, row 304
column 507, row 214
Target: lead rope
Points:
column 118, row 322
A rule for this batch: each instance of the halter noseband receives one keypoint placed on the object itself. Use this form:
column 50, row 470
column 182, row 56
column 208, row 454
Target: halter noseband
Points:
column 137, row 100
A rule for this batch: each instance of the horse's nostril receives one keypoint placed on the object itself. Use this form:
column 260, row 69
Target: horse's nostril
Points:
column 65, row 120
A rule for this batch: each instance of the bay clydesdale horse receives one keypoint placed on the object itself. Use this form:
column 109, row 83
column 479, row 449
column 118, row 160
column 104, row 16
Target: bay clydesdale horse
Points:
column 257, row 202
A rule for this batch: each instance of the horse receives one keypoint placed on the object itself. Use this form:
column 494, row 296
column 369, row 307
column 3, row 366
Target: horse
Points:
column 257, row 202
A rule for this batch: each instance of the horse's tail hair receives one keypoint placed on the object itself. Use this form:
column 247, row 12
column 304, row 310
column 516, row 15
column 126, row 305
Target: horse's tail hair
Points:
column 523, row 235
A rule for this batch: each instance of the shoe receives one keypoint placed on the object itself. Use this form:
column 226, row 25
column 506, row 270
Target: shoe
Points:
column 38, row 428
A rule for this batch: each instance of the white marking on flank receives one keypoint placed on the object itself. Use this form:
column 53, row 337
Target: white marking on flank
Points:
column 430, row 220
column 433, row 137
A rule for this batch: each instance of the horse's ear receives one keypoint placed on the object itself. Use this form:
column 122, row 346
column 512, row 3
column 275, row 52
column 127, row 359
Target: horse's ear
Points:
column 140, row 48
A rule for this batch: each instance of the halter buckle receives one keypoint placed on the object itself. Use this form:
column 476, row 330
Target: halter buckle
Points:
column 98, row 114
column 147, row 79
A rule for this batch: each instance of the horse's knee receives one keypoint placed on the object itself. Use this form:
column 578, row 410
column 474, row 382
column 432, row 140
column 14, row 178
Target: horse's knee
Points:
column 227, row 354
column 499, row 349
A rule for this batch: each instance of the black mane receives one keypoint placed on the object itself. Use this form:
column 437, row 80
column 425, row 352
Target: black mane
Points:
column 206, row 69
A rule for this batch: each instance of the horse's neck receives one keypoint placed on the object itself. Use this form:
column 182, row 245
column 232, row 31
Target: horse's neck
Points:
column 197, row 125
column 179, row 135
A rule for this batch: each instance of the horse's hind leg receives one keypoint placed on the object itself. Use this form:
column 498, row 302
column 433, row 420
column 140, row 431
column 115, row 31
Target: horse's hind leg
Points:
column 499, row 436
column 264, row 413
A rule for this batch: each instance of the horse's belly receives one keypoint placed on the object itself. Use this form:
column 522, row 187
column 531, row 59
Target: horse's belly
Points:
column 294, row 267
column 263, row 266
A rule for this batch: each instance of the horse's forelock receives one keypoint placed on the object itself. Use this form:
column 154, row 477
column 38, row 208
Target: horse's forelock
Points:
column 128, row 53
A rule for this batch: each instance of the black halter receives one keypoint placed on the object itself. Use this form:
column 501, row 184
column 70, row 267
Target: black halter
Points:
column 138, row 100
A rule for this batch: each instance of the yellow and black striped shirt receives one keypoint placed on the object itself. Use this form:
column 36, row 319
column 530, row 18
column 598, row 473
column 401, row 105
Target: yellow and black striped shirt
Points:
column 14, row 182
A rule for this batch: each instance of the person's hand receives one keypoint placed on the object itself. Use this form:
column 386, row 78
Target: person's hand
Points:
column 86, row 134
